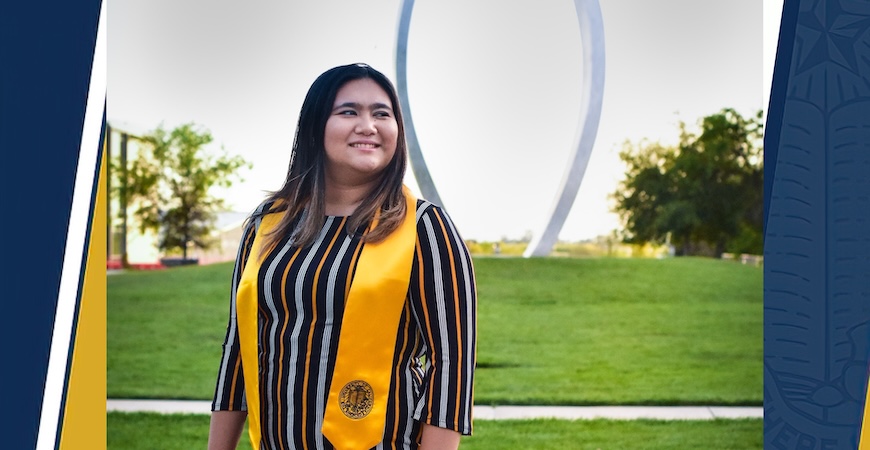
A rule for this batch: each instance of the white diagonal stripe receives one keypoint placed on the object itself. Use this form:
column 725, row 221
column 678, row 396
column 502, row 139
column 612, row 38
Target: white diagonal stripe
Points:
column 73, row 254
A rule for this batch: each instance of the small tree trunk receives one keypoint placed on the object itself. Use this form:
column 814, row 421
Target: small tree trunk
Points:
column 720, row 248
column 186, row 233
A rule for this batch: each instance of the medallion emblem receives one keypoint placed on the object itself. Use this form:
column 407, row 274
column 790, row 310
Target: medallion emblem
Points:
column 356, row 399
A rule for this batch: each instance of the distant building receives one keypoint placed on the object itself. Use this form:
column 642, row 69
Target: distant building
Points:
column 227, row 235
column 125, row 242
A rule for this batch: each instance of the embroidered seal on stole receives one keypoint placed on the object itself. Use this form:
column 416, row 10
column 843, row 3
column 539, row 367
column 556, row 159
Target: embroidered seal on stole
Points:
column 356, row 399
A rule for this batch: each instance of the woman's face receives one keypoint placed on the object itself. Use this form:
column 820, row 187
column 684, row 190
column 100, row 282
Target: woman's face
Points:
column 361, row 133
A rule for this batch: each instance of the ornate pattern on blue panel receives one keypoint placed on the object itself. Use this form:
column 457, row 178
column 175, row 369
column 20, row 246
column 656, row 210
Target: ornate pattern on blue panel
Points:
column 831, row 30
column 817, row 242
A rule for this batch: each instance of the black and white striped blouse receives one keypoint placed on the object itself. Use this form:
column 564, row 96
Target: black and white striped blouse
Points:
column 301, row 299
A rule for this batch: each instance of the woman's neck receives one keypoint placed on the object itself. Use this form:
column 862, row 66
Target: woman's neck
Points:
column 343, row 199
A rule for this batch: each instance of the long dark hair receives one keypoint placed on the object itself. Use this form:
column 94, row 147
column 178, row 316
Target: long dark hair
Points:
column 302, row 196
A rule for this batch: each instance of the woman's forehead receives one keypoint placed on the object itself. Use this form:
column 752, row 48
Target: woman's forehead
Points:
column 363, row 91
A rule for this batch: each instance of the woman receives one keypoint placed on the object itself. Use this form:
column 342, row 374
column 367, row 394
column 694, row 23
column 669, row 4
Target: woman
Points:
column 353, row 305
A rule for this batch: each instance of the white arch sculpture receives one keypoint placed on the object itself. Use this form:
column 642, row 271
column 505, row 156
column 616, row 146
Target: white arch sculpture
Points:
column 592, row 92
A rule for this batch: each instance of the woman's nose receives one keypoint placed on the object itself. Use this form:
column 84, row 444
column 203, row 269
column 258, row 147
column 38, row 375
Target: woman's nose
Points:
column 366, row 125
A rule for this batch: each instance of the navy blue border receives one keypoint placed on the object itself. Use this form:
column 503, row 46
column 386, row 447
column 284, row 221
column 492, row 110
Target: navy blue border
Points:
column 50, row 46
column 817, row 228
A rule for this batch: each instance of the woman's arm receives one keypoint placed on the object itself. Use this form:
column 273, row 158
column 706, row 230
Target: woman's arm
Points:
column 225, row 429
column 435, row 438
column 229, row 392
column 443, row 299
column 228, row 407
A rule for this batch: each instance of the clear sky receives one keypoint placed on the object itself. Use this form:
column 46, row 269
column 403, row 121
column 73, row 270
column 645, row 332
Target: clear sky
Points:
column 494, row 87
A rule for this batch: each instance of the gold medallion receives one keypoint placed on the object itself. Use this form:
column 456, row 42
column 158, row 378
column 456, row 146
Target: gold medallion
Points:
column 356, row 399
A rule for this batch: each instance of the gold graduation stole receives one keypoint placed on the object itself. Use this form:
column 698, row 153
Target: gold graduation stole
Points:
column 356, row 408
column 246, row 320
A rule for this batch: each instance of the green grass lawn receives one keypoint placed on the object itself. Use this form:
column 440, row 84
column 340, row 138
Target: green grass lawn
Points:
column 619, row 331
column 611, row 331
column 147, row 431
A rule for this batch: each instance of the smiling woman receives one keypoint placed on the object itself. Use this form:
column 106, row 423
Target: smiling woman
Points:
column 353, row 304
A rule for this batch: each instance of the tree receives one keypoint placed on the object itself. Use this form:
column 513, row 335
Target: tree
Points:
column 705, row 193
column 169, row 182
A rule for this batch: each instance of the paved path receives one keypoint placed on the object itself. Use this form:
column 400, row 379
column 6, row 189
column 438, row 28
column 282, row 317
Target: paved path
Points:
column 501, row 412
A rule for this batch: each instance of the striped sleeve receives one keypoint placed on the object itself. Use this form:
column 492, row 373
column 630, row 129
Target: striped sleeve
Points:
column 444, row 299
column 229, row 392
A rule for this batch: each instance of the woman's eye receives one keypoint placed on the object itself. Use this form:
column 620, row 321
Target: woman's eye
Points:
column 347, row 112
column 382, row 114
